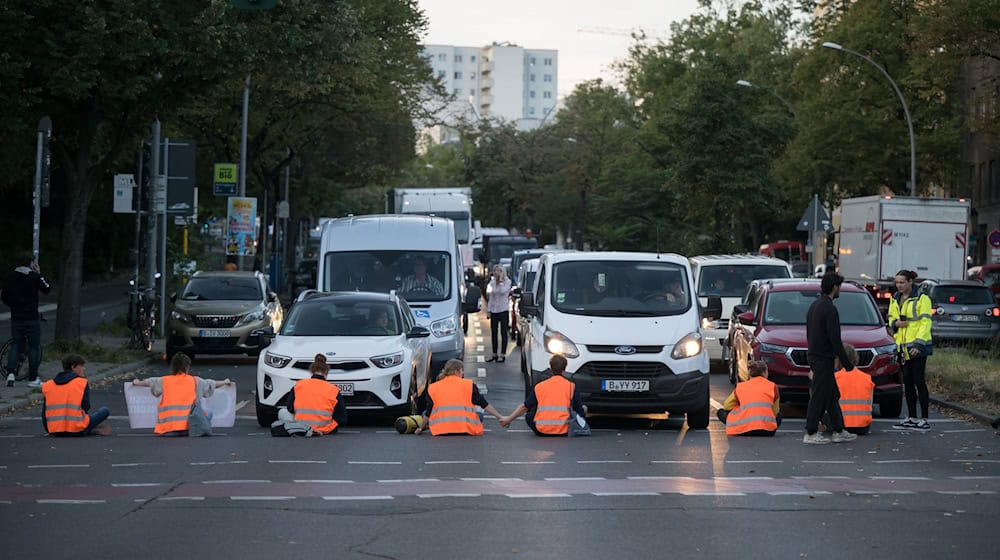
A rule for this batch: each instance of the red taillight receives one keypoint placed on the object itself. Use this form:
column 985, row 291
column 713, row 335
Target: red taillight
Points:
column 996, row 312
column 951, row 299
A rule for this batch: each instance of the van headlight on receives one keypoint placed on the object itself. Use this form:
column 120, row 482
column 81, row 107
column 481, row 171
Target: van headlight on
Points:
column 276, row 360
column 687, row 347
column 556, row 343
column 388, row 360
column 444, row 327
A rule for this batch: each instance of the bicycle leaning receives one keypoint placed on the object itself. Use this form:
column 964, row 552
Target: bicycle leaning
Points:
column 142, row 312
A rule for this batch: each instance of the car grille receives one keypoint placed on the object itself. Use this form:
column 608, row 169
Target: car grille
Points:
column 216, row 321
column 801, row 359
column 334, row 366
column 624, row 369
column 610, row 349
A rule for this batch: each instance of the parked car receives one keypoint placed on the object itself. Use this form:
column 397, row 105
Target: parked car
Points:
column 217, row 312
column 519, row 322
column 771, row 326
column 379, row 357
column 963, row 310
column 988, row 274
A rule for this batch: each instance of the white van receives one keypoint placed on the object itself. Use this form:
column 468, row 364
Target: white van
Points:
column 728, row 276
column 415, row 256
column 629, row 327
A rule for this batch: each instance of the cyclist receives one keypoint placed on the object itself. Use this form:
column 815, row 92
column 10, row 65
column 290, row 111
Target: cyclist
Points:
column 20, row 293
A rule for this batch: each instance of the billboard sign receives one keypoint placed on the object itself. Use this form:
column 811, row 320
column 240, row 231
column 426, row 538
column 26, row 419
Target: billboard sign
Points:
column 241, row 220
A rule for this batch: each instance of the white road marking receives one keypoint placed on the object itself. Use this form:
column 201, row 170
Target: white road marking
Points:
column 975, row 461
column 240, row 405
column 174, row 498
column 713, row 493
column 604, row 462
column 481, row 372
column 6, row 502
column 743, row 478
column 136, row 484
column 492, row 479
column 18, row 436
column 71, row 501
column 611, row 494
column 358, row 497
column 261, row 498
column 749, row 461
column 465, row 462
column 219, row 463
column 58, row 466
column 248, row 481
column 481, row 359
column 658, row 478
column 878, row 492
column 678, row 462
column 527, row 462
column 134, row 464
column 483, row 389
column 313, row 481
column 961, row 431
column 573, row 478
column 456, row 495
column 798, row 493
column 374, row 463
column 829, row 462
column 557, row 495
column 966, row 492
column 404, row 480
column 296, row 461
column 821, row 477
column 715, row 404
column 480, row 348
column 891, row 461
column 899, row 478
column 975, row 477
column 479, row 338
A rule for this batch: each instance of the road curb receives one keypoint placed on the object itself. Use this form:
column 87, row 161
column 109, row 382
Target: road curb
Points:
column 123, row 368
column 980, row 417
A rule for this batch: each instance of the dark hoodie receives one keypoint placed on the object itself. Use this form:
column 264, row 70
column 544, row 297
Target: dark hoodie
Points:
column 20, row 293
column 62, row 379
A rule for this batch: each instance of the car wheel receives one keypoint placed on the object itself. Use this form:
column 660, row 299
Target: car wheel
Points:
column 734, row 370
column 266, row 415
column 890, row 407
column 410, row 406
column 698, row 419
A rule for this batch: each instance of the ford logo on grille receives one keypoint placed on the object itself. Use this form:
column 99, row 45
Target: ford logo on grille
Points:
column 625, row 350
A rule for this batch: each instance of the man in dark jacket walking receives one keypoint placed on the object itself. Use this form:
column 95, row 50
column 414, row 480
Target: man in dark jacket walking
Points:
column 823, row 334
column 20, row 293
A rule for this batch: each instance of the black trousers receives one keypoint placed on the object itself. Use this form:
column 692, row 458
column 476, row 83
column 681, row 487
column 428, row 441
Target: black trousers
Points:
column 499, row 321
column 824, row 397
column 915, row 386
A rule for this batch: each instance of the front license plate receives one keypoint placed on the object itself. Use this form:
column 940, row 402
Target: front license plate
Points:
column 214, row 333
column 346, row 389
column 625, row 385
column 965, row 318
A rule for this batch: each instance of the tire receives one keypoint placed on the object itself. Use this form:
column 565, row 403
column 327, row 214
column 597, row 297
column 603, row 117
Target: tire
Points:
column 734, row 370
column 698, row 419
column 266, row 415
column 890, row 407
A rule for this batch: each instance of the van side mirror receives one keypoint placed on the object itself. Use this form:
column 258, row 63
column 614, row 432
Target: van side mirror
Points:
column 473, row 297
column 713, row 311
column 418, row 331
column 527, row 305
column 746, row 318
column 516, row 293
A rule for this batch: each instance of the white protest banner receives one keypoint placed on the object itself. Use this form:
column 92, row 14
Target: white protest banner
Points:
column 142, row 406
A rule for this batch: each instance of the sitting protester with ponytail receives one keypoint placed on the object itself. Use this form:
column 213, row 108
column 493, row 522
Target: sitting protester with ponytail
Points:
column 314, row 402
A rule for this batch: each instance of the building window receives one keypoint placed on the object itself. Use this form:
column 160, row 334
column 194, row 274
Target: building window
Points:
column 547, row 78
column 458, row 75
column 472, row 58
column 440, row 73
column 531, row 110
column 546, row 95
column 531, row 78
column 532, row 59
column 442, row 56
column 472, row 92
column 457, row 91
column 472, row 75
column 458, row 58
column 547, row 62
column 531, row 94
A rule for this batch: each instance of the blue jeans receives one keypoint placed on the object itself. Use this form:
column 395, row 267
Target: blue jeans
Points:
column 32, row 332
column 96, row 417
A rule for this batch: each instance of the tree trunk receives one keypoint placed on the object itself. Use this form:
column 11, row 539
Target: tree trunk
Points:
column 71, row 256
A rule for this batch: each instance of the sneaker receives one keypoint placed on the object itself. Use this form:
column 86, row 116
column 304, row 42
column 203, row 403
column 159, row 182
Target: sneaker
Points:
column 908, row 424
column 843, row 436
column 10, row 379
column 922, row 425
column 815, row 439
column 36, row 383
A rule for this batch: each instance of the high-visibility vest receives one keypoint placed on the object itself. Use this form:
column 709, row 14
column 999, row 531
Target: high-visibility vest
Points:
column 453, row 411
column 315, row 400
column 63, row 410
column 918, row 312
column 179, row 393
column 855, row 388
column 756, row 409
column 555, row 396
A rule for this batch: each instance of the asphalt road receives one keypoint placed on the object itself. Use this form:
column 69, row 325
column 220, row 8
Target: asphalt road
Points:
column 637, row 488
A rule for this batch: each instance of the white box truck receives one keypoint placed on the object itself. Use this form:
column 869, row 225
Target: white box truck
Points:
column 454, row 203
column 880, row 235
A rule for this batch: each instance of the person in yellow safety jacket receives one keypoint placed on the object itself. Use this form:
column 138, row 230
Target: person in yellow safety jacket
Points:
column 549, row 403
column 316, row 401
column 753, row 407
column 177, row 393
column 856, row 388
column 66, row 410
column 910, row 321
column 451, row 401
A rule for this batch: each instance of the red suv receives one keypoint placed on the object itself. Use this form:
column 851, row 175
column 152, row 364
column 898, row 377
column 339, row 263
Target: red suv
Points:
column 771, row 326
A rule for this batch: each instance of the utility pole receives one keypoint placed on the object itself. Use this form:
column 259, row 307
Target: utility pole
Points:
column 243, row 152
column 163, row 239
column 44, row 133
column 155, row 195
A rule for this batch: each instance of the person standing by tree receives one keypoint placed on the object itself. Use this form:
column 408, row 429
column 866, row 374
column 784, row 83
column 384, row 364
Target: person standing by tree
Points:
column 498, row 306
column 20, row 293
column 825, row 345
column 910, row 319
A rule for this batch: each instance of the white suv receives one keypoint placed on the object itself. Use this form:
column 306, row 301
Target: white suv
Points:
column 378, row 356
column 728, row 276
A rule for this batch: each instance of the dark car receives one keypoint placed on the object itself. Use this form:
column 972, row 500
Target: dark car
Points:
column 305, row 276
column 963, row 311
column 771, row 326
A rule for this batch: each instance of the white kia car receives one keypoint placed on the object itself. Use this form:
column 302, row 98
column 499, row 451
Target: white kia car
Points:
column 378, row 356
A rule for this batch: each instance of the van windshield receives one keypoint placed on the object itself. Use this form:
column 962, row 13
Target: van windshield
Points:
column 620, row 288
column 731, row 280
column 415, row 275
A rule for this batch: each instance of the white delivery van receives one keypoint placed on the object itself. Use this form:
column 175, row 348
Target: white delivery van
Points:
column 415, row 256
column 728, row 276
column 631, row 347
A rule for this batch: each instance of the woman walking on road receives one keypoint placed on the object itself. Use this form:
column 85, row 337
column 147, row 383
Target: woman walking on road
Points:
column 498, row 306
column 910, row 320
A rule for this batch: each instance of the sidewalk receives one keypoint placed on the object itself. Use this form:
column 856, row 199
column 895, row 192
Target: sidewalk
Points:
column 21, row 395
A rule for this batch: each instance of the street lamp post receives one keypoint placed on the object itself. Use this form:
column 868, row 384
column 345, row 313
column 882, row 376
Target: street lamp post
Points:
column 906, row 110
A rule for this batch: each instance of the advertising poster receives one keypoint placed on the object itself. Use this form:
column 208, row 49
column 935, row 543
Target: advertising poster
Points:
column 241, row 233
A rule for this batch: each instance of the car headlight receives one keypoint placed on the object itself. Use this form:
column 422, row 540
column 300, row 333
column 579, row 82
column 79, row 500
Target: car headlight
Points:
column 766, row 348
column 556, row 343
column 388, row 360
column 887, row 349
column 687, row 347
column 276, row 360
column 252, row 317
column 178, row 316
column 444, row 327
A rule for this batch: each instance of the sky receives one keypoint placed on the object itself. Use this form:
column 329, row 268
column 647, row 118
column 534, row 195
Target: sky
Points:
column 555, row 24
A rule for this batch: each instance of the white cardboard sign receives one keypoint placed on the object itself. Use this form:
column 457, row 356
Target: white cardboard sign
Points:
column 142, row 406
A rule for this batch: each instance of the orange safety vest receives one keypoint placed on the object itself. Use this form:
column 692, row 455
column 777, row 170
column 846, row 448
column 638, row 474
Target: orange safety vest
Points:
column 63, row 406
column 179, row 393
column 555, row 396
column 756, row 409
column 856, row 389
column 453, row 411
column 315, row 400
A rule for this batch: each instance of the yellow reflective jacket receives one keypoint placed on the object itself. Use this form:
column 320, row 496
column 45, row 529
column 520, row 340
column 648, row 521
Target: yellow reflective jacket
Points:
column 917, row 312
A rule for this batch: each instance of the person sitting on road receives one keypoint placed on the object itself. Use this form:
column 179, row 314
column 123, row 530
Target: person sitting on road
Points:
column 451, row 403
column 66, row 410
column 549, row 403
column 420, row 281
column 753, row 407
column 856, row 388
column 178, row 393
column 315, row 401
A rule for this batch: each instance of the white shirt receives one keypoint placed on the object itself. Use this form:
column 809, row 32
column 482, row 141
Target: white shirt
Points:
column 498, row 296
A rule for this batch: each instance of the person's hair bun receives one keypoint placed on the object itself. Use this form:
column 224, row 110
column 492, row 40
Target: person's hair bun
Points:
column 319, row 359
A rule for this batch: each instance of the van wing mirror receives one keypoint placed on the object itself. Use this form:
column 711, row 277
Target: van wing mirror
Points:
column 740, row 308
column 418, row 331
column 526, row 305
column 713, row 311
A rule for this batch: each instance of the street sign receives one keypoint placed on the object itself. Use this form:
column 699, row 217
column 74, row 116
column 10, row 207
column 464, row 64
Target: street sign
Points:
column 225, row 179
column 815, row 218
column 994, row 238
column 124, row 187
column 178, row 164
column 283, row 209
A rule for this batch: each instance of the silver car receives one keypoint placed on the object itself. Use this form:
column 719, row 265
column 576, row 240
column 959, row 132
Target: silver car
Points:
column 963, row 311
